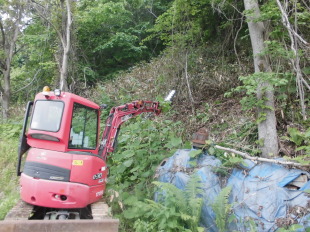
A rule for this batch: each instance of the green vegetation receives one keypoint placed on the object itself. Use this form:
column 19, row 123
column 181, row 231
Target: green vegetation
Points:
column 301, row 141
column 9, row 190
column 174, row 210
column 222, row 209
column 291, row 228
column 142, row 145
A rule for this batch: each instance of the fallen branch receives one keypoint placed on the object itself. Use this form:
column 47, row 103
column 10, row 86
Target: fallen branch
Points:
column 247, row 156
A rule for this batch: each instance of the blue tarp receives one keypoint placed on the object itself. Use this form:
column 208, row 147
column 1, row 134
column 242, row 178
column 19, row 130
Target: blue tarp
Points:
column 259, row 191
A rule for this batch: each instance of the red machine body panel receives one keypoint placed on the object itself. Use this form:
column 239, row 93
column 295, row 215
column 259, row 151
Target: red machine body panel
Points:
column 56, row 158
column 87, row 169
column 62, row 180
column 47, row 193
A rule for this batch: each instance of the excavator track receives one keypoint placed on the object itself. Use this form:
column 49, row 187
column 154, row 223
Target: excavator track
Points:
column 18, row 220
column 21, row 211
column 100, row 210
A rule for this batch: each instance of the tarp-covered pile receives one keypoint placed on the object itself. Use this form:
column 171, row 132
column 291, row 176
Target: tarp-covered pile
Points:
column 268, row 194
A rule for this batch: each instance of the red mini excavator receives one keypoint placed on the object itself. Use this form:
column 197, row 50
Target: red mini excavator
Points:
column 65, row 167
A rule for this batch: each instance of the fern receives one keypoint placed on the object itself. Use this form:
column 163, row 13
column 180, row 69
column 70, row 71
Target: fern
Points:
column 222, row 209
column 175, row 210
column 193, row 193
column 302, row 143
column 171, row 196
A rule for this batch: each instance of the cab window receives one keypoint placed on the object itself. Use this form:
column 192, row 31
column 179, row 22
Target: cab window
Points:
column 47, row 115
column 83, row 133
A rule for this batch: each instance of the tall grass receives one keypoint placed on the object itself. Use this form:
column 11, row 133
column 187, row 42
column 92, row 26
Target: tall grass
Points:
column 9, row 189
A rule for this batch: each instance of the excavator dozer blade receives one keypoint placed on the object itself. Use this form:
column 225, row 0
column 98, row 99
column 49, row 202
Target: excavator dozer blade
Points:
column 17, row 221
column 103, row 225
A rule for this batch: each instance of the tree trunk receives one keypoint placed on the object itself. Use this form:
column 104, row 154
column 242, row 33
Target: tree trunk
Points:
column 6, row 95
column 267, row 132
column 9, row 44
column 64, row 35
column 67, row 21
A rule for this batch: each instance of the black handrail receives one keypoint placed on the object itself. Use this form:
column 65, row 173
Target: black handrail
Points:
column 23, row 145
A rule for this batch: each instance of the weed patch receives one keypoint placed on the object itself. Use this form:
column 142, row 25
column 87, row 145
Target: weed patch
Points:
column 9, row 192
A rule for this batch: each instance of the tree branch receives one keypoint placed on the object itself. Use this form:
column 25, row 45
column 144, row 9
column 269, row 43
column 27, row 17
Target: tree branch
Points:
column 188, row 84
column 34, row 77
column 306, row 5
column 235, row 42
column 287, row 24
column 305, row 83
column 247, row 156
column 20, row 48
column 294, row 37
column 12, row 41
column 2, row 65
column 2, row 32
column 48, row 21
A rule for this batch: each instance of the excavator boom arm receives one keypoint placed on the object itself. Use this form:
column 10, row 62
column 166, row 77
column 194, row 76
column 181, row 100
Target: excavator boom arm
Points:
column 118, row 115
